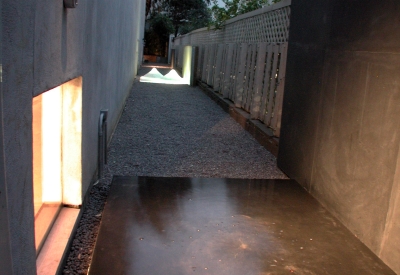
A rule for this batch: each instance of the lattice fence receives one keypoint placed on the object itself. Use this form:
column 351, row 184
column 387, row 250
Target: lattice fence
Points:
column 250, row 75
column 268, row 24
column 246, row 61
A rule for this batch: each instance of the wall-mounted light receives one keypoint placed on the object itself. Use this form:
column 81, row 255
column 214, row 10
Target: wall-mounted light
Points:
column 70, row 4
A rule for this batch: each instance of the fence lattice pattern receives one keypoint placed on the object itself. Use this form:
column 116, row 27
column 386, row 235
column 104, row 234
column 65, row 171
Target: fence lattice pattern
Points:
column 267, row 27
column 269, row 24
column 245, row 62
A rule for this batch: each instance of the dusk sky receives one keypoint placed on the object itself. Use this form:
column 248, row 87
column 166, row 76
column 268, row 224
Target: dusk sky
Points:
column 220, row 3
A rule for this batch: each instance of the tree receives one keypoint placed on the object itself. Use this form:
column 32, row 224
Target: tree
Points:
column 148, row 6
column 153, row 7
column 187, row 15
column 234, row 8
column 165, row 17
column 157, row 35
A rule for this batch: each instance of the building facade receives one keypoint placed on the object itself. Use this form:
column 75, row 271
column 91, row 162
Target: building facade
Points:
column 60, row 68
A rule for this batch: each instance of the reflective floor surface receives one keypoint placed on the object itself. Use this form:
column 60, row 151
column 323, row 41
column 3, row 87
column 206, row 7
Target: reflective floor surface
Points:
column 223, row 226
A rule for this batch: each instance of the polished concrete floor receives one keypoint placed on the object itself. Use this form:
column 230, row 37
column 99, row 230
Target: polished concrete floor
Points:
column 223, row 226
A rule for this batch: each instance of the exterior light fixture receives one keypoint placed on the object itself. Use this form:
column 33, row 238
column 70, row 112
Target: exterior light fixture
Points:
column 69, row 4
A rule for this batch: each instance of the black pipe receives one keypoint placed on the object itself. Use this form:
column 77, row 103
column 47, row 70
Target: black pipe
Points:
column 102, row 142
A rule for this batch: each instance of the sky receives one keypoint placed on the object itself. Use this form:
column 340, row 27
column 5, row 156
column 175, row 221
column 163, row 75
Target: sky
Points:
column 220, row 3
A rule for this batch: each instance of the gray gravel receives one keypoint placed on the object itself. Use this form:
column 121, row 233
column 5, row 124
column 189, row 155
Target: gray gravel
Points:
column 170, row 131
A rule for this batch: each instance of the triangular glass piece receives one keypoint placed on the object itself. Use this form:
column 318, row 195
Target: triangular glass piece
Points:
column 154, row 76
column 173, row 78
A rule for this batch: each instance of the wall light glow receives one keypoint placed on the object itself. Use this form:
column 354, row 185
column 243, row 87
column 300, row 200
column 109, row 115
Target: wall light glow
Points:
column 187, row 63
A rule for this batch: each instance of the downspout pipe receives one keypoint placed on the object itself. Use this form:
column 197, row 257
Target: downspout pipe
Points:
column 102, row 142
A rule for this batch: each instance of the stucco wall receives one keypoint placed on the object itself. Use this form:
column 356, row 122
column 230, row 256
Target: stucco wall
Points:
column 5, row 248
column 18, row 31
column 98, row 41
column 340, row 127
column 45, row 45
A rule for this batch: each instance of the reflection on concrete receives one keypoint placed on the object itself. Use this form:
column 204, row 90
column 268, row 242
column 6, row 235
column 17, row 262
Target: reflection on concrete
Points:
column 223, row 226
column 165, row 205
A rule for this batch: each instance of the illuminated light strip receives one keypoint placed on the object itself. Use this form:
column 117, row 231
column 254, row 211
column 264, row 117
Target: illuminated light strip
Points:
column 154, row 76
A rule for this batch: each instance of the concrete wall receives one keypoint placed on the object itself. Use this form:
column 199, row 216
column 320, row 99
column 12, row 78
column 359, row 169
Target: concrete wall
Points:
column 340, row 128
column 18, row 35
column 45, row 45
column 5, row 248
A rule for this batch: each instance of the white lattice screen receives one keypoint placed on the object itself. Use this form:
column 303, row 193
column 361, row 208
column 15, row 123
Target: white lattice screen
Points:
column 245, row 61
column 268, row 24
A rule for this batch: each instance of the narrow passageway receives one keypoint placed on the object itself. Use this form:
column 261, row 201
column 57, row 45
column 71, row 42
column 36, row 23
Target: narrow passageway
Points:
column 177, row 131
column 169, row 131
column 193, row 192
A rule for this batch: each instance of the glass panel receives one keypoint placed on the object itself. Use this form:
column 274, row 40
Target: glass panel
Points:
column 47, row 191
column 57, row 144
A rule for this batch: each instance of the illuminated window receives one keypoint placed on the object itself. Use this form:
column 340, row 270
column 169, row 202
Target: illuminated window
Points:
column 57, row 135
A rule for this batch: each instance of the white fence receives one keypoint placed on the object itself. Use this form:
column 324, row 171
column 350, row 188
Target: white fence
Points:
column 245, row 61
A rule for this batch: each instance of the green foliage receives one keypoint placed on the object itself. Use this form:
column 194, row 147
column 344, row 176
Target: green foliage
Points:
column 162, row 25
column 157, row 35
column 172, row 17
column 187, row 15
column 234, row 8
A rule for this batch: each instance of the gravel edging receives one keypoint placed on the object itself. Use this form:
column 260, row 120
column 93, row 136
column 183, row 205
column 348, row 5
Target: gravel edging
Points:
column 80, row 254
column 169, row 131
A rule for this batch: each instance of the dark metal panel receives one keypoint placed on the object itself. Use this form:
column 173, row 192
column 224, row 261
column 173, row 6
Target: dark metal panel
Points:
column 223, row 226
column 5, row 249
column 357, row 141
column 309, row 32
column 340, row 126
column 372, row 26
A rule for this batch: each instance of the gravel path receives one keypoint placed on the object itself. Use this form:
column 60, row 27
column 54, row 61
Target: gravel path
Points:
column 170, row 131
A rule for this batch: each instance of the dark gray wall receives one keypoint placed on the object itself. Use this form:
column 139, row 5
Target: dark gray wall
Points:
column 18, row 34
column 5, row 248
column 97, row 40
column 341, row 114
column 45, row 45
column 308, row 37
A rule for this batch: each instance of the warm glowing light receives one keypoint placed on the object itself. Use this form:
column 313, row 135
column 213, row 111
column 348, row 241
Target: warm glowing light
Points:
column 154, row 76
column 57, row 129
column 51, row 145
column 243, row 245
column 72, row 142
column 56, row 142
